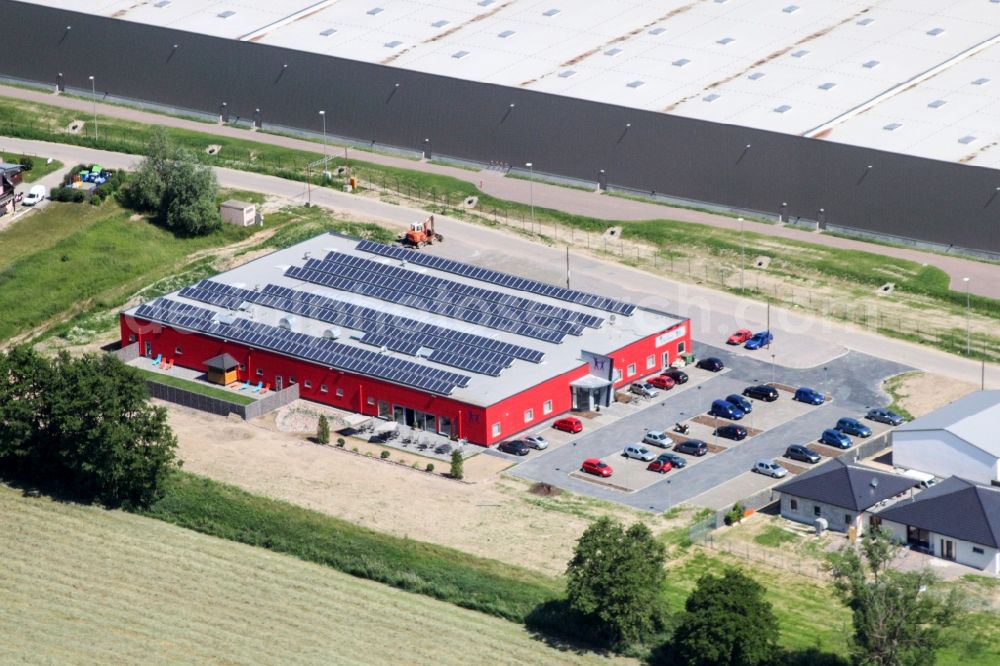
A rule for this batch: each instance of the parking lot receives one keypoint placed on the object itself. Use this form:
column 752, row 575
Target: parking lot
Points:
column 851, row 384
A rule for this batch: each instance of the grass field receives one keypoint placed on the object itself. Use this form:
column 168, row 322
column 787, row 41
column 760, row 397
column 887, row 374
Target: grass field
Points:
column 197, row 387
column 83, row 585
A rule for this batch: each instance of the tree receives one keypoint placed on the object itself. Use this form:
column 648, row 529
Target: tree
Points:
column 457, row 465
column 726, row 620
column 323, row 430
column 614, row 580
column 897, row 615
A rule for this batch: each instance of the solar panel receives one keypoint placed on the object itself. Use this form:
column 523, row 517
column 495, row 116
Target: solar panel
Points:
column 310, row 348
column 496, row 277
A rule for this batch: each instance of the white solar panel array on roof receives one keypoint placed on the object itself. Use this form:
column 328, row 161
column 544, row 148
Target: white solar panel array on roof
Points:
column 844, row 70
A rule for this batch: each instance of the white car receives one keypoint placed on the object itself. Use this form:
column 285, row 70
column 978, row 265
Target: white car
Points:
column 536, row 442
column 770, row 468
column 34, row 196
column 657, row 438
column 639, row 452
column 645, row 389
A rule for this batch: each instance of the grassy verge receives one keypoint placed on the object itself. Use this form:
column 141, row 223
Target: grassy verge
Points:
column 774, row 536
column 299, row 223
column 892, row 387
column 196, row 387
column 39, row 171
column 224, row 511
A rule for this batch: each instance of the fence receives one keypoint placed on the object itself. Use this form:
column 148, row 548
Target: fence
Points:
column 221, row 407
column 776, row 559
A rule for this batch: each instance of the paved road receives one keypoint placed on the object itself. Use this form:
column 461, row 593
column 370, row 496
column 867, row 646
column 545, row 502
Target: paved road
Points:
column 852, row 380
column 985, row 278
column 802, row 341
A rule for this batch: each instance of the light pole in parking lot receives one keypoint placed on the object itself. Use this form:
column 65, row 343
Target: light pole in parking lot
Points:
column 93, row 96
column 772, row 368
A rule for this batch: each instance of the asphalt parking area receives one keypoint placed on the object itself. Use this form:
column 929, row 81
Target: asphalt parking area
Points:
column 735, row 490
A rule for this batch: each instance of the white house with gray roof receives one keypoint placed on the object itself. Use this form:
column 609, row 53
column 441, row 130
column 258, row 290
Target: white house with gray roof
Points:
column 956, row 520
column 961, row 439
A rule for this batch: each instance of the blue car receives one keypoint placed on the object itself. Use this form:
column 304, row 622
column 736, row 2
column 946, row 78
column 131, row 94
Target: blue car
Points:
column 854, row 427
column 726, row 410
column 761, row 339
column 740, row 402
column 808, row 396
column 832, row 437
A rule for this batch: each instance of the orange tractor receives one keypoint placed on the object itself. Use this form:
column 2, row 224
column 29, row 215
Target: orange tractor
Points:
column 420, row 234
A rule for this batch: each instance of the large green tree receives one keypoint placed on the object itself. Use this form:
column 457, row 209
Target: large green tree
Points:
column 726, row 621
column 615, row 580
column 897, row 615
column 82, row 426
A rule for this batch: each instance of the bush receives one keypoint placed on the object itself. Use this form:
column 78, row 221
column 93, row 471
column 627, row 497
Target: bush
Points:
column 27, row 163
column 457, row 465
column 341, row 441
column 429, row 468
column 67, row 194
column 735, row 514
column 323, row 430
column 385, row 454
column 96, row 200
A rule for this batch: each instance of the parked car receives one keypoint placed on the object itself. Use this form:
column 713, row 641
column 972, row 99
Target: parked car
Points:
column 537, row 442
column 854, row 427
column 638, row 452
column 761, row 339
column 739, row 337
column 770, row 468
column 676, row 374
column 833, row 437
column 761, row 392
column 883, row 415
column 740, row 402
column 802, row 454
column 726, row 410
column 515, row 447
column 808, row 396
column 662, row 464
column 676, row 461
column 644, row 389
column 597, row 467
column 711, row 364
column 569, row 424
column 732, row 431
column 693, row 447
column 662, row 382
column 34, row 196
column 657, row 438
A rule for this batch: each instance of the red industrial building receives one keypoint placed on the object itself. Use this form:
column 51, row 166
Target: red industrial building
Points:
column 411, row 337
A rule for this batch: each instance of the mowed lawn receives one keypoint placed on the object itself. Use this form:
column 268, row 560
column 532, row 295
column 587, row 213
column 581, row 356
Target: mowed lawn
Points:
column 84, row 585
column 55, row 260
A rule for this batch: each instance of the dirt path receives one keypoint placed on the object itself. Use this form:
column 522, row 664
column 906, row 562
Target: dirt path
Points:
column 493, row 518
column 985, row 278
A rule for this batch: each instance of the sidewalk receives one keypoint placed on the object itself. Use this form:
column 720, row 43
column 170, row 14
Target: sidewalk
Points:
column 984, row 278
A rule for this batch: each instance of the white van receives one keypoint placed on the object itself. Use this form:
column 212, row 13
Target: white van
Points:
column 35, row 195
column 923, row 479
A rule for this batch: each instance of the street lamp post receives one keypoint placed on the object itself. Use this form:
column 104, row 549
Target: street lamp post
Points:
column 93, row 95
column 531, row 193
column 322, row 114
column 772, row 368
column 742, row 255
column 968, row 319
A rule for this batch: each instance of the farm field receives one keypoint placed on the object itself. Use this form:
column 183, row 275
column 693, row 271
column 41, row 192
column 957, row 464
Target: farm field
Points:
column 83, row 585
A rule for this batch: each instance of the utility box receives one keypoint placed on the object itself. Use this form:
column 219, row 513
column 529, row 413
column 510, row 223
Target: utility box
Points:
column 240, row 213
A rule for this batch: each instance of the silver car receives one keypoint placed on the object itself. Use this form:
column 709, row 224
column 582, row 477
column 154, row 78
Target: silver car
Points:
column 644, row 389
column 639, row 452
column 657, row 438
column 770, row 468
column 536, row 442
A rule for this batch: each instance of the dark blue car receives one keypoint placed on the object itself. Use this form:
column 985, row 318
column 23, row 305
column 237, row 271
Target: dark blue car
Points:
column 726, row 410
column 809, row 396
column 854, row 427
column 740, row 402
column 832, row 437
column 761, row 339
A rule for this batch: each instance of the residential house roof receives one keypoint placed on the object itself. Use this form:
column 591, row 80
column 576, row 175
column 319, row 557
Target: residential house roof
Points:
column 847, row 486
column 972, row 419
column 955, row 507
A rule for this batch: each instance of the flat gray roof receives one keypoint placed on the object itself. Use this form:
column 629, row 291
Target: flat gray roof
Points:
column 973, row 418
column 614, row 333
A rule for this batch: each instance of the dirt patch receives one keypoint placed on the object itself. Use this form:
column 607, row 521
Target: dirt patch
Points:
column 922, row 393
column 545, row 490
column 75, row 127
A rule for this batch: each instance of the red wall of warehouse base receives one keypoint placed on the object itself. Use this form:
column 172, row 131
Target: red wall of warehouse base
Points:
column 472, row 422
column 638, row 353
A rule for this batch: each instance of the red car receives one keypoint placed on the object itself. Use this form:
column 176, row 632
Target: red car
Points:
column 739, row 337
column 597, row 467
column 568, row 424
column 662, row 382
column 661, row 465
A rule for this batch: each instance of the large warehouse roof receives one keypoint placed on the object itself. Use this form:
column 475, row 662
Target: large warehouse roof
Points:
column 972, row 418
column 920, row 77
column 407, row 317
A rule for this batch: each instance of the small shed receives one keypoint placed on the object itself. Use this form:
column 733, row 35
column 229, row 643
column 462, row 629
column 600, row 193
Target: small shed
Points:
column 222, row 369
column 240, row 213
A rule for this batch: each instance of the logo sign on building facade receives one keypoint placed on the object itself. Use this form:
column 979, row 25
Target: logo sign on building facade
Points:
column 600, row 366
column 671, row 335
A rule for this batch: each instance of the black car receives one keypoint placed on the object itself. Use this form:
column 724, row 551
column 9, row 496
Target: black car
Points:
column 676, row 374
column 694, row 447
column 761, row 392
column 711, row 364
column 515, row 447
column 732, row 431
column 802, row 454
